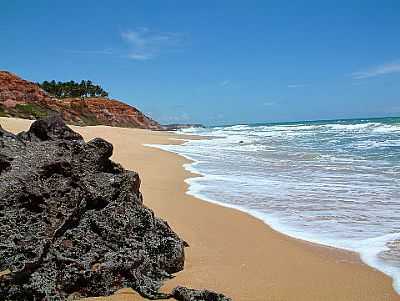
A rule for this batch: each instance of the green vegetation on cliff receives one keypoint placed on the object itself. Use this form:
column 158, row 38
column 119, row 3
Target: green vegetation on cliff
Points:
column 2, row 112
column 31, row 110
column 73, row 89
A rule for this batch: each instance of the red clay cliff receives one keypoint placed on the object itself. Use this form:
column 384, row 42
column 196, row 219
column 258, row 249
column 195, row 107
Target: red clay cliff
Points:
column 24, row 99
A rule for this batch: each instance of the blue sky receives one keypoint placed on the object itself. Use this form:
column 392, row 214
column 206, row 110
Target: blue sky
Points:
column 216, row 62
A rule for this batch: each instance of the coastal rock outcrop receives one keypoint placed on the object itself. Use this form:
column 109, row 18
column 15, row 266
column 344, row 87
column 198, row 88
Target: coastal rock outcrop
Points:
column 24, row 99
column 73, row 223
column 181, row 293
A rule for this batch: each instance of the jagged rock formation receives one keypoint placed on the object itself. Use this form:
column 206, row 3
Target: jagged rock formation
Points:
column 72, row 222
column 24, row 99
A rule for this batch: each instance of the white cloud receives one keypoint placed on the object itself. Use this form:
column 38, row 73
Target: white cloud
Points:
column 224, row 83
column 139, row 56
column 141, row 44
column 388, row 68
column 145, row 44
column 296, row 86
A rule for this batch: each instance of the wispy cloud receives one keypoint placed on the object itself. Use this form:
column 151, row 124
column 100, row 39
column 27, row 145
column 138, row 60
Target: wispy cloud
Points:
column 268, row 103
column 141, row 44
column 145, row 44
column 139, row 56
column 296, row 86
column 395, row 110
column 181, row 117
column 224, row 83
column 387, row 68
column 92, row 51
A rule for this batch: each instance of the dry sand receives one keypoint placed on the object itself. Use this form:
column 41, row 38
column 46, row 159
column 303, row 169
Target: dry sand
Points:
column 230, row 251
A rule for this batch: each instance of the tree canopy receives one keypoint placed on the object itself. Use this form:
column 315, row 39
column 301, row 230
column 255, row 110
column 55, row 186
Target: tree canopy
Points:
column 73, row 89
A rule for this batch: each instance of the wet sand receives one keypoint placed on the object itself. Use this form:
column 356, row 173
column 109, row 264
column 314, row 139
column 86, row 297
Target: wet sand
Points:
column 230, row 251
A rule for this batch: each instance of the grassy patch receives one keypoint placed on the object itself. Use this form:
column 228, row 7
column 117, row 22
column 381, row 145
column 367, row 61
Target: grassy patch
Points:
column 32, row 110
column 2, row 112
column 89, row 120
column 84, row 114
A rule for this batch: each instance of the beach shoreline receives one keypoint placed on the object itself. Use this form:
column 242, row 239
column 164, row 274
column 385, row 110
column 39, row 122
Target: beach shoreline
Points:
column 231, row 251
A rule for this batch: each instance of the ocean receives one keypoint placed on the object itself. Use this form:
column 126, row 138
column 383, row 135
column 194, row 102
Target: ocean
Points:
column 334, row 182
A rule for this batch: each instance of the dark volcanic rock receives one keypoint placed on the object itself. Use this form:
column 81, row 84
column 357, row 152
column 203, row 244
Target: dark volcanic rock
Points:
column 72, row 222
column 186, row 294
column 52, row 128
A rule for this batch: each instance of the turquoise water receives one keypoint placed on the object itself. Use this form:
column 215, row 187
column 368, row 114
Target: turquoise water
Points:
column 332, row 182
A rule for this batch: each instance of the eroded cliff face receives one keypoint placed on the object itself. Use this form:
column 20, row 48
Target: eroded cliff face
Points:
column 24, row 99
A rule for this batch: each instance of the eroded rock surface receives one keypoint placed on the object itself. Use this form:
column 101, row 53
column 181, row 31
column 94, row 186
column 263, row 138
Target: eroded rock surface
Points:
column 72, row 222
column 186, row 294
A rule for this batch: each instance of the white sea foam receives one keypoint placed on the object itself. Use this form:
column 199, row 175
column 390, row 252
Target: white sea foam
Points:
column 341, row 179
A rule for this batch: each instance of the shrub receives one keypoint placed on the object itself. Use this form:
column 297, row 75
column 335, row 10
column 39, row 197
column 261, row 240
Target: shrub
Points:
column 2, row 112
column 32, row 110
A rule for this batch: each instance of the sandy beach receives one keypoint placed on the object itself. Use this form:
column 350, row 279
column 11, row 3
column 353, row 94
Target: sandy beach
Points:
column 230, row 251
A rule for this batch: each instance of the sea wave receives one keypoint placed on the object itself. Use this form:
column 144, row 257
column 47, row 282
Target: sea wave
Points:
column 338, row 177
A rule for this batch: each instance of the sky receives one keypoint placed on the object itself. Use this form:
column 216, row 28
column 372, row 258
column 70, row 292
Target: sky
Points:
column 215, row 62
